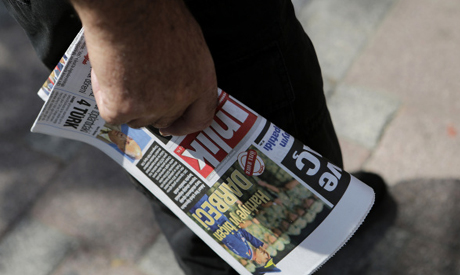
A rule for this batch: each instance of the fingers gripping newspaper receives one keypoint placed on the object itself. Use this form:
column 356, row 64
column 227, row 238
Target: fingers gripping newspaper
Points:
column 260, row 199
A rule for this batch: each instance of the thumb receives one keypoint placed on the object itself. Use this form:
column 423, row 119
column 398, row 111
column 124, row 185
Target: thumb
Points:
column 96, row 88
column 99, row 96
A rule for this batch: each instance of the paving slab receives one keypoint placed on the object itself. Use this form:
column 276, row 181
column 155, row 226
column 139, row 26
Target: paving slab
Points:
column 328, row 87
column 300, row 4
column 426, row 256
column 361, row 114
column 94, row 261
column 413, row 231
column 414, row 55
column 33, row 249
column 340, row 29
column 429, row 208
column 24, row 175
column 416, row 145
column 19, row 104
column 354, row 155
column 94, row 200
column 153, row 262
column 60, row 148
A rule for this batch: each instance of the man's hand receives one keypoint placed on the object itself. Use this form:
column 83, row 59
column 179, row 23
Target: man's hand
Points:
column 151, row 65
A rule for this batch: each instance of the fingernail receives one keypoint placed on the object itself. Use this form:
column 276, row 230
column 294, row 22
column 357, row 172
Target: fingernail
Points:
column 164, row 134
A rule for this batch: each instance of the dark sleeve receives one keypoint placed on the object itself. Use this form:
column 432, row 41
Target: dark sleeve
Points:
column 51, row 25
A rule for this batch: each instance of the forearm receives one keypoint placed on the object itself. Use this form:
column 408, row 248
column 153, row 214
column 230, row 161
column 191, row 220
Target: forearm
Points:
column 115, row 28
column 115, row 20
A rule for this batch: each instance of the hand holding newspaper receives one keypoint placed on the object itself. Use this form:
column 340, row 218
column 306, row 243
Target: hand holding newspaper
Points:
column 260, row 199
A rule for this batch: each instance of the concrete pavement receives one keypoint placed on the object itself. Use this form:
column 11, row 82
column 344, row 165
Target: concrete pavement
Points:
column 391, row 77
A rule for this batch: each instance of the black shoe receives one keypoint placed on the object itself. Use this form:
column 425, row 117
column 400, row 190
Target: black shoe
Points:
column 384, row 210
column 375, row 182
column 354, row 257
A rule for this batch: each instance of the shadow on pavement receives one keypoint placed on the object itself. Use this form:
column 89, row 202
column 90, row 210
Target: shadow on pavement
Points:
column 354, row 255
column 414, row 231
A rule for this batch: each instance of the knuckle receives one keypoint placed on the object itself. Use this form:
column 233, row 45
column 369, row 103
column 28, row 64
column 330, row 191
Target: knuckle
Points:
column 161, row 124
column 112, row 117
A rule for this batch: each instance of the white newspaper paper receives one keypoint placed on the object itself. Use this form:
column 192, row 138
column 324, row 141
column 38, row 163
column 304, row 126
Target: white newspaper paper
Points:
column 259, row 198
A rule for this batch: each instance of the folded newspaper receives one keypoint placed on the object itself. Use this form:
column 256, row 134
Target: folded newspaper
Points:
column 259, row 198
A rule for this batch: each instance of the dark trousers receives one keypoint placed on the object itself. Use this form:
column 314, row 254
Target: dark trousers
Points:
column 277, row 75
column 262, row 57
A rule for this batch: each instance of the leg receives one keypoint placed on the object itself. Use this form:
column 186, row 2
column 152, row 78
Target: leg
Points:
column 281, row 80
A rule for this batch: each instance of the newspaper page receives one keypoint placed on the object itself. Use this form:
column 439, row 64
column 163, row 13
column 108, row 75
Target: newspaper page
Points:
column 258, row 197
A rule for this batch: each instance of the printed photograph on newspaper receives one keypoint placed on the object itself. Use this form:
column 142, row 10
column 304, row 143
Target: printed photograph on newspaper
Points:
column 127, row 141
column 258, row 212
